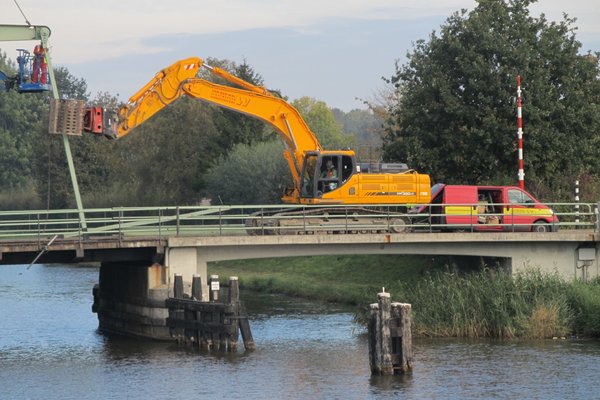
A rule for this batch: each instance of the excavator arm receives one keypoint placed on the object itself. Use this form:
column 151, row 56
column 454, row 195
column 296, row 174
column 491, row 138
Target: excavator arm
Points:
column 158, row 93
column 180, row 79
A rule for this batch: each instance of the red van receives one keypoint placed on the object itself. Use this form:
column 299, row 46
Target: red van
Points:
column 487, row 208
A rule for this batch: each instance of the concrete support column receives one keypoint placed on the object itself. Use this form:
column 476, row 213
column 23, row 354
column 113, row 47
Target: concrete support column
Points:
column 185, row 261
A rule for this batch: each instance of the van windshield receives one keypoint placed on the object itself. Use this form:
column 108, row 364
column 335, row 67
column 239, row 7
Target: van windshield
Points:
column 435, row 189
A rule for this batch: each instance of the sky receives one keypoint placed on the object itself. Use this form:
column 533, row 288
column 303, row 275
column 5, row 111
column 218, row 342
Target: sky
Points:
column 336, row 51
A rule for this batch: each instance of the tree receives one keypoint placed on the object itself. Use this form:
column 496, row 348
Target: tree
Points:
column 455, row 117
column 321, row 121
column 69, row 86
column 233, row 126
column 366, row 128
column 21, row 118
column 250, row 175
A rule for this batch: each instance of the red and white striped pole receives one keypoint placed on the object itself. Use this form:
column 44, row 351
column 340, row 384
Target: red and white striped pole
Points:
column 520, row 134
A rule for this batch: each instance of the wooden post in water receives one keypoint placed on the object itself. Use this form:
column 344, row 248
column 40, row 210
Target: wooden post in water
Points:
column 401, row 335
column 197, row 288
column 234, row 300
column 196, row 334
column 242, row 321
column 390, row 338
column 178, row 314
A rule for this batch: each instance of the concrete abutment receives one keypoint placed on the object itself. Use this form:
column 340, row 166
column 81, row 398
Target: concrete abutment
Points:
column 130, row 296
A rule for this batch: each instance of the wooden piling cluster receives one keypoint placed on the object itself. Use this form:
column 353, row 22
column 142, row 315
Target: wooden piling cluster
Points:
column 390, row 338
column 210, row 325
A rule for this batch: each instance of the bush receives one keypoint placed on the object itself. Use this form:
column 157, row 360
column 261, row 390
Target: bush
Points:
column 25, row 198
column 489, row 303
column 584, row 300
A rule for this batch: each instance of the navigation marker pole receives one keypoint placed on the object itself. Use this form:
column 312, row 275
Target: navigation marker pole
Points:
column 576, row 202
column 520, row 134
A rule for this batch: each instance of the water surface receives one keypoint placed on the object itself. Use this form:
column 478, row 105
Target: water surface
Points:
column 50, row 349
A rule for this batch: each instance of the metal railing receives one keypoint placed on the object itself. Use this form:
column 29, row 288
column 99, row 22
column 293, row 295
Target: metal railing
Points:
column 162, row 222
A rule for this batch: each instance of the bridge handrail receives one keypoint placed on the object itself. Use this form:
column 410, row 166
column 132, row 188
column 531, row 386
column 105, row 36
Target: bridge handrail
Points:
column 161, row 222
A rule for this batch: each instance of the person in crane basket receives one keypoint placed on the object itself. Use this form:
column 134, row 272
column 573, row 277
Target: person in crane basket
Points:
column 40, row 66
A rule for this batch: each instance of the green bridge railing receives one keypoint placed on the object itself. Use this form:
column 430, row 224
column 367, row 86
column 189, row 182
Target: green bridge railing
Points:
column 162, row 222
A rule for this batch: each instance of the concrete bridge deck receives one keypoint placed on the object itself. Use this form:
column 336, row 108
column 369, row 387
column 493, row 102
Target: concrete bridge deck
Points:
column 566, row 251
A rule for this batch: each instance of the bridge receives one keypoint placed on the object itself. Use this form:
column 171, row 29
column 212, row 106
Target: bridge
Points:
column 142, row 249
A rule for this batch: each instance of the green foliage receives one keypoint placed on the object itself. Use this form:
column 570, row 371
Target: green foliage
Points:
column 20, row 122
column 25, row 197
column 234, row 127
column 455, row 117
column 250, row 175
column 366, row 129
column 346, row 279
column 488, row 303
column 480, row 303
column 69, row 86
column 7, row 65
column 321, row 121
column 364, row 125
column 584, row 299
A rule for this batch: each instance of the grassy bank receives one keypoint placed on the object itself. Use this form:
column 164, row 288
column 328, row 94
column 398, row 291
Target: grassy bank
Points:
column 350, row 280
column 447, row 301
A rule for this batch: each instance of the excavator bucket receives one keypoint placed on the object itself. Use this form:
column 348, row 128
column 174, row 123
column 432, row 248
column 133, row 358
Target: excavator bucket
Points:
column 100, row 121
column 66, row 116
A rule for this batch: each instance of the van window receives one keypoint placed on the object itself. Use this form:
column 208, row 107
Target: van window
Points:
column 518, row 197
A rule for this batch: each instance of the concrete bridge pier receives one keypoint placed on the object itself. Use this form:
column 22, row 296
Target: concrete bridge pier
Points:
column 187, row 262
column 130, row 296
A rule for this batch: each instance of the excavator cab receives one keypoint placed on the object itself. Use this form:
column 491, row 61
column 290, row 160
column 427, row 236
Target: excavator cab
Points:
column 324, row 172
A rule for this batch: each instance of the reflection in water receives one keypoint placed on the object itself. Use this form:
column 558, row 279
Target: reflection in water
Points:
column 50, row 348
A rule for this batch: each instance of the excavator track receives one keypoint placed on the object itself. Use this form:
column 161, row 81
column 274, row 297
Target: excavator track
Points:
column 327, row 220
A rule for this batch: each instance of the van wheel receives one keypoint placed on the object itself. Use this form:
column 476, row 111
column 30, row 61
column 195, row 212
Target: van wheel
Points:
column 540, row 227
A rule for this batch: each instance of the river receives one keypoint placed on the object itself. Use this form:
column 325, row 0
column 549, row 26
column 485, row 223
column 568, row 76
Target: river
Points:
column 50, row 349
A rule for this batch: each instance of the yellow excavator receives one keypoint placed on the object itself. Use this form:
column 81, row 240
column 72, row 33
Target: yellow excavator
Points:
column 320, row 177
